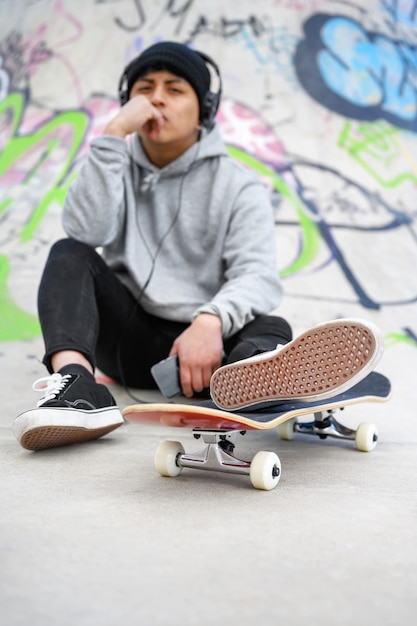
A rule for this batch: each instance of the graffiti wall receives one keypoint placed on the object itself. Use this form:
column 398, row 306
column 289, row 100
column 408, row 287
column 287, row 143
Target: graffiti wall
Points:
column 319, row 98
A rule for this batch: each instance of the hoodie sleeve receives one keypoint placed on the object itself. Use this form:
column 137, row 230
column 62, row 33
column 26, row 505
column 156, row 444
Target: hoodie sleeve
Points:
column 93, row 209
column 252, row 285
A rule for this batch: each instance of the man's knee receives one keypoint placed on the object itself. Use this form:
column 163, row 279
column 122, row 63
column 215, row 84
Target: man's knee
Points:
column 267, row 326
column 263, row 334
column 69, row 248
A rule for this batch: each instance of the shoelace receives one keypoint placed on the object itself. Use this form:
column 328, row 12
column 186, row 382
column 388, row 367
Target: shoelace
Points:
column 51, row 386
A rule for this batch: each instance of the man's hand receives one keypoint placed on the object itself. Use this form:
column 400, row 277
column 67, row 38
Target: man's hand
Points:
column 199, row 349
column 137, row 114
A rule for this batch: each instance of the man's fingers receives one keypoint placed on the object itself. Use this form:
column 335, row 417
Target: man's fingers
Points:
column 207, row 372
column 194, row 379
column 186, row 381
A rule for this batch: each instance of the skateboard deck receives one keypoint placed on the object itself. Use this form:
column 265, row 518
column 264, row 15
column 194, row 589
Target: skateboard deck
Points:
column 375, row 387
column 219, row 428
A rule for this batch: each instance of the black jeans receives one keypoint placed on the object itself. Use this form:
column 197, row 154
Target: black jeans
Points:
column 83, row 306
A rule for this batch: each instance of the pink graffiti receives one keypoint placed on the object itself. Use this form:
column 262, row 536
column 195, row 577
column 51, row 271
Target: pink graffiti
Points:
column 243, row 128
column 101, row 110
column 312, row 6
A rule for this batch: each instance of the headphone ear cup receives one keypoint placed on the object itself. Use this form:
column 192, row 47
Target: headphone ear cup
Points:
column 209, row 109
column 123, row 93
column 211, row 99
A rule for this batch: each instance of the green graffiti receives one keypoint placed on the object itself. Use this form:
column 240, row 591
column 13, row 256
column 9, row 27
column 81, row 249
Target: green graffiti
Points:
column 309, row 229
column 68, row 128
column 15, row 324
column 5, row 205
column 393, row 339
column 381, row 150
column 19, row 146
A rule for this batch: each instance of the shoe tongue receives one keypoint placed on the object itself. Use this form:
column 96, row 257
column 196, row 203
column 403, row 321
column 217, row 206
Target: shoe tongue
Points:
column 75, row 368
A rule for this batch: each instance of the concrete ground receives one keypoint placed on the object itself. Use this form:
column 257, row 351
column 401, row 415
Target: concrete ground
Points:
column 91, row 534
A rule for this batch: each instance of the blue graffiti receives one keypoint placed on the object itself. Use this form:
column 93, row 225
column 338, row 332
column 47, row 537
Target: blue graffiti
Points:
column 274, row 47
column 358, row 74
column 401, row 11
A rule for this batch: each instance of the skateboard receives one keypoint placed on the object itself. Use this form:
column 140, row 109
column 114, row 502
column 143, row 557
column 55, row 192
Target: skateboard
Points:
column 219, row 430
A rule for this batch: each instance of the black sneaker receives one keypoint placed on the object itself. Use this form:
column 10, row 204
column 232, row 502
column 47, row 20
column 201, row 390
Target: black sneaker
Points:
column 74, row 409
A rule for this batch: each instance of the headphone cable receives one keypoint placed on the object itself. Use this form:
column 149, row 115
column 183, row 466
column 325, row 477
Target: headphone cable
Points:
column 149, row 277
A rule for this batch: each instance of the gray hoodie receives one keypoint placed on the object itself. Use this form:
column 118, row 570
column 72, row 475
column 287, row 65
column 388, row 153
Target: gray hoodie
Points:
column 194, row 236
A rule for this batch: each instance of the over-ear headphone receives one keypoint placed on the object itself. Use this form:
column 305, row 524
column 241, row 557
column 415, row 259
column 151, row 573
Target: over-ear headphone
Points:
column 211, row 100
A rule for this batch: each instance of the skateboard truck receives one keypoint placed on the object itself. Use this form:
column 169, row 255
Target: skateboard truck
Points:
column 218, row 453
column 264, row 470
column 326, row 425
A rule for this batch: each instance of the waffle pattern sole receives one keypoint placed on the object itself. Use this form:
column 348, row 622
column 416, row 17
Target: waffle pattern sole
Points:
column 323, row 361
column 44, row 437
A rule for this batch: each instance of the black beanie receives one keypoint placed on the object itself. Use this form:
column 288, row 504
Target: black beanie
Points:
column 172, row 57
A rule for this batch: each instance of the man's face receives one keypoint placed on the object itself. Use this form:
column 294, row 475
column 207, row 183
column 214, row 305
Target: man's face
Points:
column 178, row 104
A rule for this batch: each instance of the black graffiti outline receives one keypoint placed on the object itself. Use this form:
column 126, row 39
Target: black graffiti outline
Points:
column 226, row 28
column 399, row 218
column 141, row 15
column 176, row 12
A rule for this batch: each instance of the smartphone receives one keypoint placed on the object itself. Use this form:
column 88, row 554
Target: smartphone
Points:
column 166, row 374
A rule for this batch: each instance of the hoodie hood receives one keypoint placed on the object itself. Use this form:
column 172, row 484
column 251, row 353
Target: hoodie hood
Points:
column 210, row 145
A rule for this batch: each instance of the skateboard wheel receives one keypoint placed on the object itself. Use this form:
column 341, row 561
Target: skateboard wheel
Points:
column 366, row 437
column 166, row 458
column 265, row 470
column 286, row 430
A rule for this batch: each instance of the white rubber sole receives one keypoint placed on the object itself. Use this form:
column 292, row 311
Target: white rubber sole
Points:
column 322, row 362
column 43, row 428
